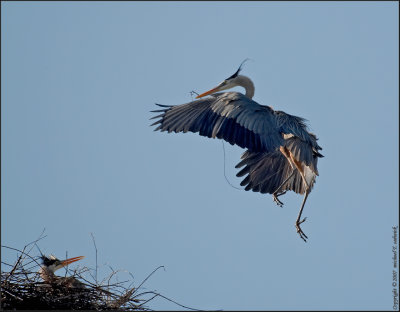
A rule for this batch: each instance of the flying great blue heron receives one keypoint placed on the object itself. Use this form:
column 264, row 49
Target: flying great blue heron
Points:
column 281, row 154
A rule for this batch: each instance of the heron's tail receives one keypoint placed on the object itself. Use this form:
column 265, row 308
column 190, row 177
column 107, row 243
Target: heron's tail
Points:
column 267, row 171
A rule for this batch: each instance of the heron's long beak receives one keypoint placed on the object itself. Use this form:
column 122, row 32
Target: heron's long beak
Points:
column 208, row 92
column 70, row 260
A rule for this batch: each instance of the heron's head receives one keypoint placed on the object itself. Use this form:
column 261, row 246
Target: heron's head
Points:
column 52, row 264
column 226, row 84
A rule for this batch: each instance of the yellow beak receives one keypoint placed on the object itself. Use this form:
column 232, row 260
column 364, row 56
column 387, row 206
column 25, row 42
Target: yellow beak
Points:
column 70, row 260
column 208, row 92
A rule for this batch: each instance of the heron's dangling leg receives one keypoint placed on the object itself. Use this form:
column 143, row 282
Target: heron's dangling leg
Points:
column 294, row 163
column 276, row 195
column 298, row 222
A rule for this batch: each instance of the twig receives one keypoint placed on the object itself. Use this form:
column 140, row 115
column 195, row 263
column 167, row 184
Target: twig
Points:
column 95, row 247
column 237, row 188
column 148, row 276
column 168, row 299
column 193, row 92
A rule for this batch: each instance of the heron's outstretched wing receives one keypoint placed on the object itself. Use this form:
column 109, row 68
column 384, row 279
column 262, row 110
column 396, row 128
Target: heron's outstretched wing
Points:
column 230, row 116
column 267, row 171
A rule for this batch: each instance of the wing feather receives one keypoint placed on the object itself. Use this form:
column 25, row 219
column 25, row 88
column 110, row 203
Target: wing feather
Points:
column 230, row 116
column 235, row 118
column 266, row 171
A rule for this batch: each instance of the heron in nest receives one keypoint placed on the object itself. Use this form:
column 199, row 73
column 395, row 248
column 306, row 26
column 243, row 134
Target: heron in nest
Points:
column 51, row 264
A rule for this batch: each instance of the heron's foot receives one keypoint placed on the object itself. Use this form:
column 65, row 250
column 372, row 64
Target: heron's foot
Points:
column 300, row 231
column 276, row 200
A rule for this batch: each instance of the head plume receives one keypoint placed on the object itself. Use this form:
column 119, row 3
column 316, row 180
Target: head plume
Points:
column 239, row 69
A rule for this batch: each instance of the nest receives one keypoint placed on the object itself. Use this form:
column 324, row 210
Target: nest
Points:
column 22, row 288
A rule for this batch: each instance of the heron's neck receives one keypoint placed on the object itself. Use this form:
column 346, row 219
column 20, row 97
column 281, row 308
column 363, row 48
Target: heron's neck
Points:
column 47, row 275
column 247, row 84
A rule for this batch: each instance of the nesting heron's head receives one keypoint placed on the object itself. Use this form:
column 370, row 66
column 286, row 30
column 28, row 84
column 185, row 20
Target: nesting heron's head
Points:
column 52, row 264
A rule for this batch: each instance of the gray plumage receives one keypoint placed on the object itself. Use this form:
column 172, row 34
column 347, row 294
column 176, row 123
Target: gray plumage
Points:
column 281, row 154
column 233, row 117
column 266, row 171
column 230, row 116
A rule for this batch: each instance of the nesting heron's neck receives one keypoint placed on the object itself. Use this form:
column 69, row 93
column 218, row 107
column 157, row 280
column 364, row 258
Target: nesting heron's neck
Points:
column 47, row 275
column 247, row 84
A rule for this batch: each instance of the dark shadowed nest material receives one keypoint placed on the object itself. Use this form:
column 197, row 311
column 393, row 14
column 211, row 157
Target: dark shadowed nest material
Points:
column 22, row 288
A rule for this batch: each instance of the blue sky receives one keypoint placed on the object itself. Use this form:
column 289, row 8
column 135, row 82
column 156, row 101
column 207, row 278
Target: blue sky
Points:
column 78, row 155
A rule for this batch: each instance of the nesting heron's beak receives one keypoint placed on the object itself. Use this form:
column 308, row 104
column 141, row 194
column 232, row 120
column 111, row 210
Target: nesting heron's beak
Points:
column 70, row 260
column 209, row 92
